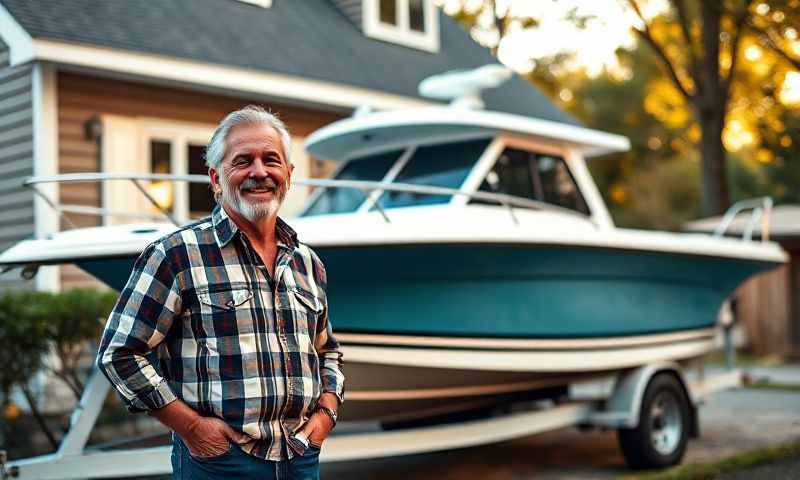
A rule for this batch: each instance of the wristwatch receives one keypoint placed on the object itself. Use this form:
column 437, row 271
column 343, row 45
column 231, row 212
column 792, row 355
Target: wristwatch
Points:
column 329, row 412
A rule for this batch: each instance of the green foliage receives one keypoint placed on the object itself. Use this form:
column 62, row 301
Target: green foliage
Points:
column 34, row 323
column 22, row 336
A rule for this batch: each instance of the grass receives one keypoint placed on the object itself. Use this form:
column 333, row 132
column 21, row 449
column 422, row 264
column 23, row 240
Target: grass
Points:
column 747, row 359
column 711, row 470
column 767, row 385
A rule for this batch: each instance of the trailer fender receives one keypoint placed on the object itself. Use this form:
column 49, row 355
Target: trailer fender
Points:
column 623, row 406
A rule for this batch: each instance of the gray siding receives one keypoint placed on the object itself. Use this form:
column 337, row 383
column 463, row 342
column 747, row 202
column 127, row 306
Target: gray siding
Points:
column 352, row 9
column 16, row 158
column 4, row 54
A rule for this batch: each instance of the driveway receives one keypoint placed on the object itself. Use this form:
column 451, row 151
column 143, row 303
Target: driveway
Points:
column 731, row 422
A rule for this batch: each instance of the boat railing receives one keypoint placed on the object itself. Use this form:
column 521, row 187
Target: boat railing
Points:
column 760, row 209
column 137, row 179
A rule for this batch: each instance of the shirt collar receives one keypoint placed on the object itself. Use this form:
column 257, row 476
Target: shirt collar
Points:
column 225, row 229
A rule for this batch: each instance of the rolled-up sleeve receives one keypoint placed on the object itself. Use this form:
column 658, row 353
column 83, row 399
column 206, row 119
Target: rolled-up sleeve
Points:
column 138, row 324
column 327, row 347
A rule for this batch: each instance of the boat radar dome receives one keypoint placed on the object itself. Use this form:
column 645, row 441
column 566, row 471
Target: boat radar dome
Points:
column 463, row 87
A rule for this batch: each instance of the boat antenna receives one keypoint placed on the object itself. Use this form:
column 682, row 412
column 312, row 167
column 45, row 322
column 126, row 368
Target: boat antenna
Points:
column 463, row 87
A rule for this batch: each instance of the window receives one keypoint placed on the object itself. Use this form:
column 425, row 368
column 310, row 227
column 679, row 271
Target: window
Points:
column 412, row 23
column 179, row 149
column 534, row 176
column 437, row 165
column 342, row 200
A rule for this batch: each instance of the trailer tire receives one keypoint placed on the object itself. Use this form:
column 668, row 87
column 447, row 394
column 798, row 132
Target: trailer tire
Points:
column 659, row 440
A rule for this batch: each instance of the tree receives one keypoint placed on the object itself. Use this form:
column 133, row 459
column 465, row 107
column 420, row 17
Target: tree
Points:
column 73, row 319
column 705, row 66
column 24, row 345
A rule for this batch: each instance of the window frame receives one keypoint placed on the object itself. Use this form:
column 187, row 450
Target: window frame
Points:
column 402, row 34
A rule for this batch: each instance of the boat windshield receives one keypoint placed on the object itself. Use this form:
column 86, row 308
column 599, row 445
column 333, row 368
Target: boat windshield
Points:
column 443, row 165
column 343, row 200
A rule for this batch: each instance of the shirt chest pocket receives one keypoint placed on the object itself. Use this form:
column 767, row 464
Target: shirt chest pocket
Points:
column 307, row 308
column 221, row 312
column 224, row 300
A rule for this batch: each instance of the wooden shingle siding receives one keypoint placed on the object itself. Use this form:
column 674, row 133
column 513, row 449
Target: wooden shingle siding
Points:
column 16, row 160
column 352, row 9
column 81, row 97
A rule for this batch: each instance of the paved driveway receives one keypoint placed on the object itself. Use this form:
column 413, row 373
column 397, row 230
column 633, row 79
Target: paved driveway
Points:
column 731, row 422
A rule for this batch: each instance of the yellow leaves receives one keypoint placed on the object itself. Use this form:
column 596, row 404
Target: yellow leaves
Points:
column 619, row 194
column 764, row 156
column 737, row 135
column 12, row 411
column 694, row 133
column 752, row 52
column 666, row 104
column 790, row 90
column 786, row 141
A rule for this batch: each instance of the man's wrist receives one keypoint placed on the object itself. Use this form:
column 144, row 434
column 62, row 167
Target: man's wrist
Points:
column 329, row 412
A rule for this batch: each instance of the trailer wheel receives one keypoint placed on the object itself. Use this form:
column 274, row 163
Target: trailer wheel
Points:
column 660, row 438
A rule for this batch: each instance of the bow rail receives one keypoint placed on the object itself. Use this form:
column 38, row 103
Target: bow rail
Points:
column 761, row 209
column 508, row 201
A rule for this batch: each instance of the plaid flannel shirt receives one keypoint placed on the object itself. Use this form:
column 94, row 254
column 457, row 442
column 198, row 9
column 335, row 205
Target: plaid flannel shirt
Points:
column 201, row 319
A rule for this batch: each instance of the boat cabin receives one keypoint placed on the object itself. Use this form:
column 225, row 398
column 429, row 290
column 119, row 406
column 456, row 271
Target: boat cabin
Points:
column 545, row 173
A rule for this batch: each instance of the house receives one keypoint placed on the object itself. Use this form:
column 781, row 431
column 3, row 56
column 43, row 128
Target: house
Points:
column 768, row 305
column 122, row 86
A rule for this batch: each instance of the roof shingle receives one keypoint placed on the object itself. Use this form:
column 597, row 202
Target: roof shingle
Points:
column 308, row 38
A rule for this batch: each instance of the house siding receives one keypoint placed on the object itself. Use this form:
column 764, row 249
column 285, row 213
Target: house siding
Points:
column 352, row 9
column 82, row 97
column 16, row 159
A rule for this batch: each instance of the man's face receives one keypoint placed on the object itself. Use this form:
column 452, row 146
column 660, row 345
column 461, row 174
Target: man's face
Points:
column 255, row 175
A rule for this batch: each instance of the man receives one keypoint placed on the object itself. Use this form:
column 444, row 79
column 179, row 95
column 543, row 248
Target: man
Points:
column 222, row 330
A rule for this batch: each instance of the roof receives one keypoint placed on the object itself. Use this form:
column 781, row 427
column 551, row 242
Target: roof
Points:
column 784, row 223
column 309, row 38
column 355, row 136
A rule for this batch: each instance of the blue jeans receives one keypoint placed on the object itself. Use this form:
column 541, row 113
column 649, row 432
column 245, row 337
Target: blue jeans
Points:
column 235, row 464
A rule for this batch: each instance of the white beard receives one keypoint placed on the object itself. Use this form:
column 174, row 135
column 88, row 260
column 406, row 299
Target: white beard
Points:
column 254, row 212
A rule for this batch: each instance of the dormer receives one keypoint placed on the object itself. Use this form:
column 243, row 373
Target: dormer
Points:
column 411, row 23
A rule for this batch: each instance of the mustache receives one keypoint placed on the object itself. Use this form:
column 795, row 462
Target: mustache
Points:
column 249, row 183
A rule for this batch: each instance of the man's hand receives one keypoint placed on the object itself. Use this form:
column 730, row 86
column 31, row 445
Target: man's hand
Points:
column 317, row 428
column 211, row 436
column 203, row 436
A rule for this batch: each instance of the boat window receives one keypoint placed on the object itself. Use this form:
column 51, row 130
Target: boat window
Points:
column 342, row 200
column 534, row 176
column 437, row 165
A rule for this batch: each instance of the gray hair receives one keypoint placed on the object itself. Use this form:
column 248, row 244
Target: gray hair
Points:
column 251, row 114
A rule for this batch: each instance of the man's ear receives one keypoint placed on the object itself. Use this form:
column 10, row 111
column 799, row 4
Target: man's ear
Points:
column 214, row 176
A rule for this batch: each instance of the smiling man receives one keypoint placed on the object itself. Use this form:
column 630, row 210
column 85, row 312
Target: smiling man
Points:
column 222, row 330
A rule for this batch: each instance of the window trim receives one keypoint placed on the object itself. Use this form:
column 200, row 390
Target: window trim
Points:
column 402, row 34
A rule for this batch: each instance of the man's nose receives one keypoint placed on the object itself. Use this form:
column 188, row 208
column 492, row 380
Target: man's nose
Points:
column 258, row 169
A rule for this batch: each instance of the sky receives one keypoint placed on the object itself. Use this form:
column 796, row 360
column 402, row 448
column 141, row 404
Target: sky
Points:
column 594, row 46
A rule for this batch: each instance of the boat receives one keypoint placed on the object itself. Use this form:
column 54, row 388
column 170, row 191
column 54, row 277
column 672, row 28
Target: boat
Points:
column 471, row 260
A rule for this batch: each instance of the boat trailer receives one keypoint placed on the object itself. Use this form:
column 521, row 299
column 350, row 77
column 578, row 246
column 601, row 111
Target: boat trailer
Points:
column 622, row 400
